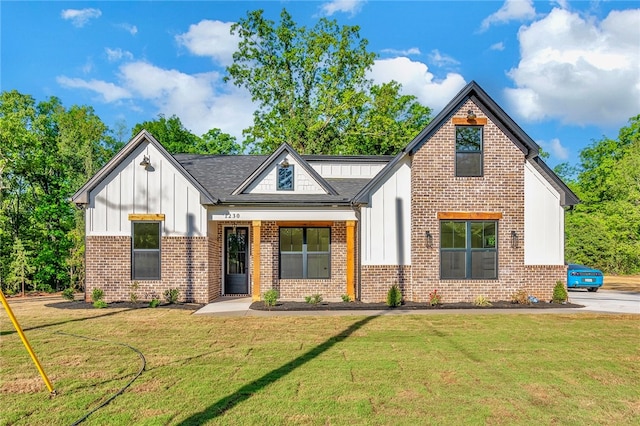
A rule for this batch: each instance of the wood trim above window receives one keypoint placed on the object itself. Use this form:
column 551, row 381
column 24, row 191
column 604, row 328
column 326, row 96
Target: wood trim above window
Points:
column 140, row 216
column 469, row 216
column 463, row 121
column 303, row 224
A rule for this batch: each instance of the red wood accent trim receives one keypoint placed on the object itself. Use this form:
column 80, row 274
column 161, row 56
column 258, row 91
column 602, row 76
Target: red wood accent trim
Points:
column 480, row 121
column 469, row 215
column 255, row 256
column 140, row 216
column 351, row 244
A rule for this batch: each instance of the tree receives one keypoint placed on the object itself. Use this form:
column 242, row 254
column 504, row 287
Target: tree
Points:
column 176, row 139
column 312, row 91
column 20, row 270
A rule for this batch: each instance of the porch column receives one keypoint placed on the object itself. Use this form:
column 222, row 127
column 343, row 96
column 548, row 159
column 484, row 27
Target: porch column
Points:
column 351, row 258
column 255, row 256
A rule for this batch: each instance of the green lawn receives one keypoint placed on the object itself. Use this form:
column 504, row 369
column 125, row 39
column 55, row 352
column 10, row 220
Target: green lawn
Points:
column 417, row 369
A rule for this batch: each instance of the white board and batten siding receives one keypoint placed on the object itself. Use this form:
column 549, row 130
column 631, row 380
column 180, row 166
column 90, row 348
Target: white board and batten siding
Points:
column 361, row 170
column 543, row 221
column 161, row 189
column 386, row 222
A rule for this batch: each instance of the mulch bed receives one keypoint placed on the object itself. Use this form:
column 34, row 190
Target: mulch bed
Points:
column 355, row 306
column 80, row 304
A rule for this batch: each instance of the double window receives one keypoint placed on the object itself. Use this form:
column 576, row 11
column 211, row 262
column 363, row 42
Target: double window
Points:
column 145, row 248
column 305, row 253
column 468, row 151
column 468, row 250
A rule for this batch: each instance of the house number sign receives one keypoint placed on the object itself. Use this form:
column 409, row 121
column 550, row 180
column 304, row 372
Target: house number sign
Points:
column 230, row 215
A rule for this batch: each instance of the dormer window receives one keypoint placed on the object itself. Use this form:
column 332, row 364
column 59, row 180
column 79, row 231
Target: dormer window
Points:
column 285, row 176
column 469, row 151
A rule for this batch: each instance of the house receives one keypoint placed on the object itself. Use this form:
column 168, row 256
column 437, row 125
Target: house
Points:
column 467, row 208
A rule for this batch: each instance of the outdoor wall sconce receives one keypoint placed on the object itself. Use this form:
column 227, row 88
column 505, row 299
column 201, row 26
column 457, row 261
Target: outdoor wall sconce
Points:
column 514, row 239
column 145, row 162
column 429, row 239
column 285, row 162
column 471, row 115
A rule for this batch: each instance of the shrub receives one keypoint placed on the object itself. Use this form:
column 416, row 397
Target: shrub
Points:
column 154, row 303
column 314, row 299
column 68, row 293
column 171, row 295
column 100, row 304
column 434, row 298
column 271, row 297
column 520, row 297
column 97, row 294
column 560, row 294
column 346, row 298
column 394, row 296
column 133, row 296
column 481, row 301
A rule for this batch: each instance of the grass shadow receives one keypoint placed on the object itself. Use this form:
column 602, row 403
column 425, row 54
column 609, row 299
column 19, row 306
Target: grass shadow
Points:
column 245, row 392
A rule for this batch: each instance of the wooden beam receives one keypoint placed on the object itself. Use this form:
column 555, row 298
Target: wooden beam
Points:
column 255, row 256
column 152, row 216
column 294, row 223
column 469, row 216
column 351, row 259
column 478, row 121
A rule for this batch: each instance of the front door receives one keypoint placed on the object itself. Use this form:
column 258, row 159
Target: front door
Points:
column 236, row 259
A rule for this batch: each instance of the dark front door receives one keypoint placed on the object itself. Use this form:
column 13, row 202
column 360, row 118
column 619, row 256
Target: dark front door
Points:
column 236, row 258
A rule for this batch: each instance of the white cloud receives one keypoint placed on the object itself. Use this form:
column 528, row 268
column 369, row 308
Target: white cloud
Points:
column 410, row 51
column 497, row 46
column 210, row 38
column 418, row 81
column 579, row 70
column 442, row 60
column 114, row 55
column 511, row 10
column 555, row 148
column 109, row 91
column 80, row 17
column 345, row 6
column 131, row 29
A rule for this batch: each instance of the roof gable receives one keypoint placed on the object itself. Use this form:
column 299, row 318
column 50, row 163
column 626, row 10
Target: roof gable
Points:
column 82, row 195
column 271, row 163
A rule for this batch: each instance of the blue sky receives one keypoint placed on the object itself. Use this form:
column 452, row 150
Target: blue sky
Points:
column 567, row 71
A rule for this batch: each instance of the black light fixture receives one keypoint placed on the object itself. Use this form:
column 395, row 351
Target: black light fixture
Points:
column 429, row 239
column 471, row 115
column 514, row 240
column 285, row 162
column 145, row 162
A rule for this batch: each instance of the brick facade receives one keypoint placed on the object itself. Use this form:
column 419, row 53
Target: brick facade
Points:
column 377, row 279
column 184, row 265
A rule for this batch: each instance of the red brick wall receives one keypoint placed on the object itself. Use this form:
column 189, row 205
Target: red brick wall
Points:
column 184, row 264
column 377, row 279
column 330, row 289
column 435, row 188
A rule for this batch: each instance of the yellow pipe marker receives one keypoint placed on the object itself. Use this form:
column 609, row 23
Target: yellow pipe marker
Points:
column 26, row 344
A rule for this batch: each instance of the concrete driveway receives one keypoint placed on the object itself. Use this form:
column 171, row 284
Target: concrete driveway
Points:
column 618, row 302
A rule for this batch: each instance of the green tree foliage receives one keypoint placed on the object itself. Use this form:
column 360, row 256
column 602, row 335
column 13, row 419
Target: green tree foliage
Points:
column 20, row 271
column 312, row 92
column 172, row 134
column 47, row 152
column 604, row 231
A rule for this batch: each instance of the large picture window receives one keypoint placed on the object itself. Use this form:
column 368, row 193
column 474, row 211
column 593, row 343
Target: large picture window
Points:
column 468, row 151
column 468, row 250
column 305, row 253
column 145, row 247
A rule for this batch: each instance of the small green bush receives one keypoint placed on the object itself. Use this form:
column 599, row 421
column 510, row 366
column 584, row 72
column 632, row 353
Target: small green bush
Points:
column 68, row 294
column 171, row 295
column 481, row 301
column 520, row 297
column 394, row 296
column 271, row 297
column 133, row 296
column 99, row 304
column 560, row 294
column 97, row 294
column 314, row 299
column 154, row 303
column 435, row 299
column 346, row 298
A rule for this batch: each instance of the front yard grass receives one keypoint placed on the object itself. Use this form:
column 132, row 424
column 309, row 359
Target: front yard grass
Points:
column 409, row 369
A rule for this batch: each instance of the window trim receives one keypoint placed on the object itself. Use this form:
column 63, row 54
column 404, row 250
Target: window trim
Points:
column 293, row 174
column 304, row 253
column 468, row 250
column 480, row 152
column 158, row 277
